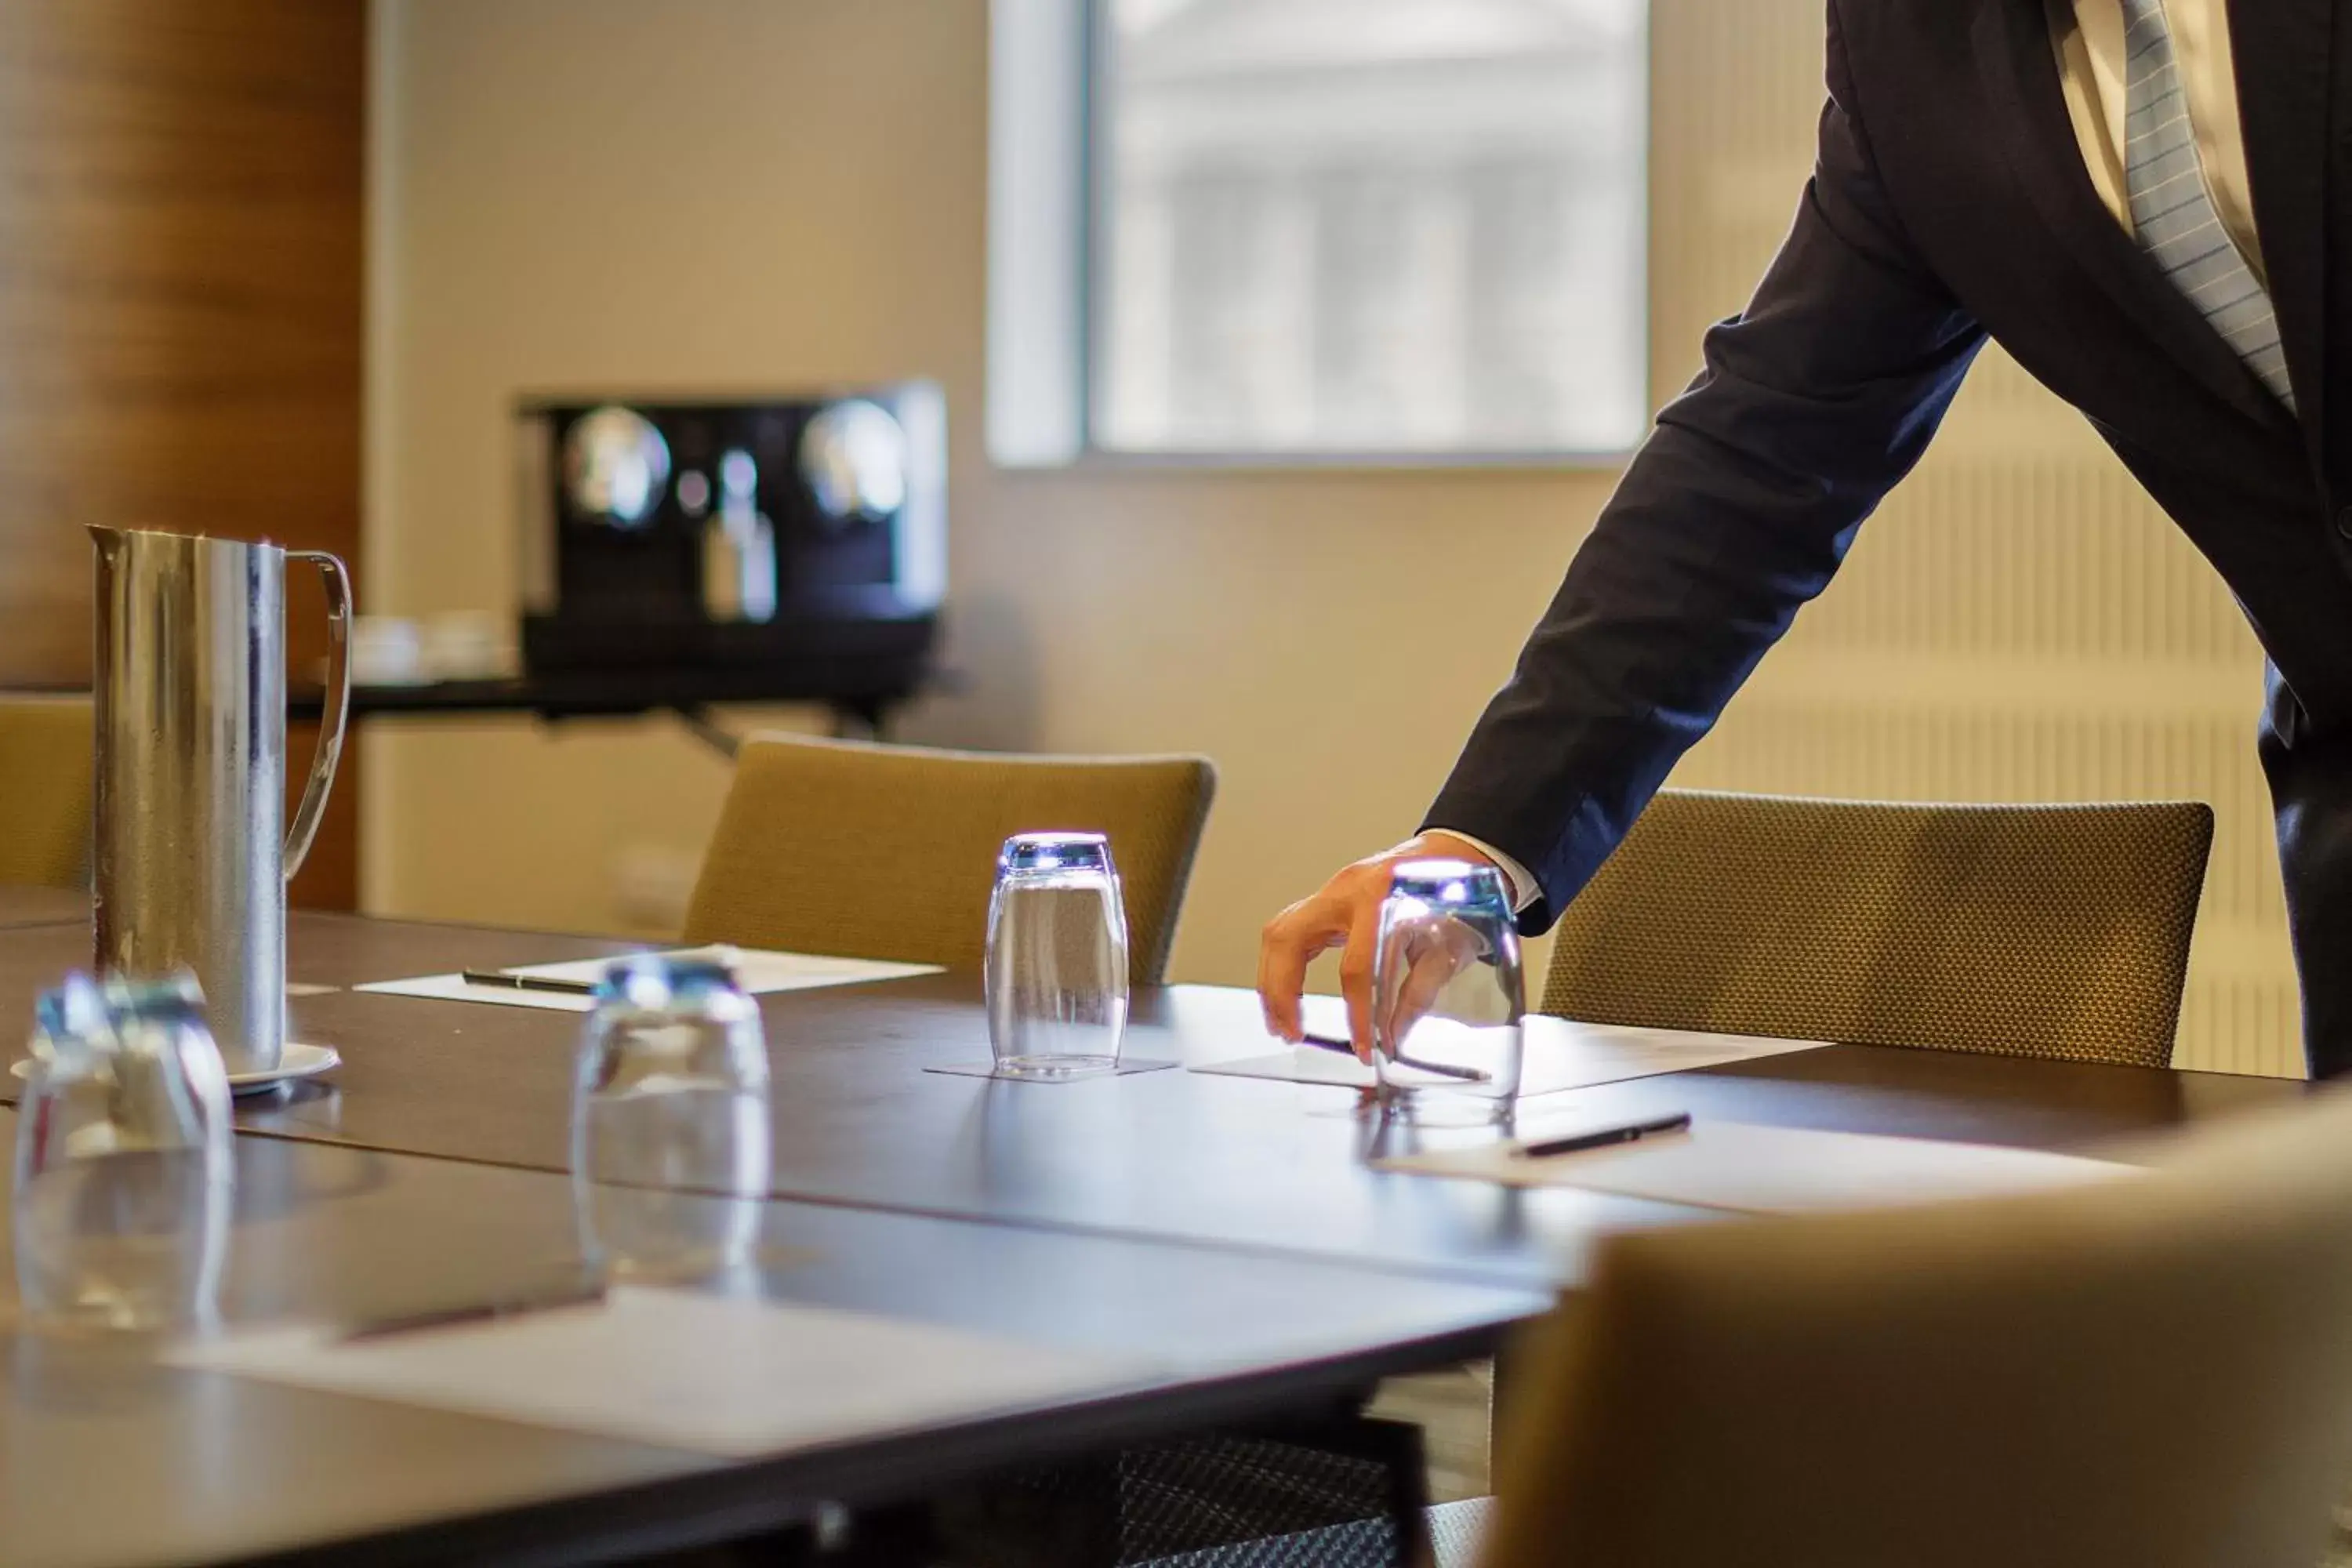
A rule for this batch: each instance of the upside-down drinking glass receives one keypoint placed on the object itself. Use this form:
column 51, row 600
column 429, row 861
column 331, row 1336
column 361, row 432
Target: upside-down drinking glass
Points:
column 1057, row 970
column 125, row 1173
column 1447, row 995
column 670, row 1157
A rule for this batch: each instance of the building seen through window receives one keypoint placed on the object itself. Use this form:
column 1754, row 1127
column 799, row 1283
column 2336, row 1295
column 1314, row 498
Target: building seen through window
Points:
column 1368, row 225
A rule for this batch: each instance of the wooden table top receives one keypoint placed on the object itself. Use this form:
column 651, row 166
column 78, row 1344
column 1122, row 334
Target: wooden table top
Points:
column 1227, row 1225
column 108, row 1459
column 1170, row 1155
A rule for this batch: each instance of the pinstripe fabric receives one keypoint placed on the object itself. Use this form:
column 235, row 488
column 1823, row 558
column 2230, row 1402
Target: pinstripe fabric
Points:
column 2172, row 208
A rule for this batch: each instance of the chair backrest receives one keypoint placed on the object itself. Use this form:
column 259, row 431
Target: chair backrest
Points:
column 2043, row 930
column 872, row 851
column 45, row 784
column 2155, row 1371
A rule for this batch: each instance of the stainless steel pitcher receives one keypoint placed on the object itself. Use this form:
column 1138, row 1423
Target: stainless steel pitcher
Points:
column 189, row 863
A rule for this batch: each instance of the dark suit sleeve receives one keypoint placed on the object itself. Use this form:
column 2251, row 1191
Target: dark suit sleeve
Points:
column 1813, row 402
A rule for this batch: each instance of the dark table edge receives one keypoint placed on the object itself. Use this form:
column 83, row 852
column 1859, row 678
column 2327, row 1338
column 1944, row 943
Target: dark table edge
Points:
column 707, row 1506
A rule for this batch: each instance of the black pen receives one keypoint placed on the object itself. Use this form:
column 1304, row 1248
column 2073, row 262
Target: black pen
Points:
column 1442, row 1069
column 1632, row 1132
column 581, row 1295
column 499, row 978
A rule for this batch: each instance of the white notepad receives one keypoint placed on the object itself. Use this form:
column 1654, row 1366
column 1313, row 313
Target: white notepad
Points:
column 713, row 1374
column 1561, row 1054
column 759, row 972
column 1773, row 1170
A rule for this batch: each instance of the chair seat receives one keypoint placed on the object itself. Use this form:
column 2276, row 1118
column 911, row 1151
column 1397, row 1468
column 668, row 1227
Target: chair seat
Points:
column 2040, row 931
column 889, row 852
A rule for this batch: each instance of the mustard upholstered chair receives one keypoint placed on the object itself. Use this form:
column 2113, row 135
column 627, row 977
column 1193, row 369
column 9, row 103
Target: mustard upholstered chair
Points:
column 872, row 851
column 45, row 784
column 2155, row 1371
column 2046, row 931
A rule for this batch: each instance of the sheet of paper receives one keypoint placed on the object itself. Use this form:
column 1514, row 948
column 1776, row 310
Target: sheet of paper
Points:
column 1297, row 1064
column 713, row 1374
column 1771, row 1169
column 1561, row 1054
column 760, row 972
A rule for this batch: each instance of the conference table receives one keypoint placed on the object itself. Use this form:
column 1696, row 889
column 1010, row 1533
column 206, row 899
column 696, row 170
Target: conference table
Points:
column 1222, row 1237
column 107, row 1459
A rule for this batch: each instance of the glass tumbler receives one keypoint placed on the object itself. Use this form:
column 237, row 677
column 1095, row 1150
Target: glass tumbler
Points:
column 125, row 1174
column 1447, row 993
column 1057, row 970
column 670, row 1158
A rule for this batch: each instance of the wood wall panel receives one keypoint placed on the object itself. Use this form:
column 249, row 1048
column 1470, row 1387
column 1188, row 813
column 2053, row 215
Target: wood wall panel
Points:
column 180, row 305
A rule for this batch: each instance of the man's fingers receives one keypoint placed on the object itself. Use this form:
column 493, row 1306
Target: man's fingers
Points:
column 1289, row 943
column 1434, row 952
column 1432, row 966
column 1356, row 974
column 1346, row 910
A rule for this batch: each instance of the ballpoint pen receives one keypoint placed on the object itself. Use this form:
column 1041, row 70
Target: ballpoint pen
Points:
column 1442, row 1069
column 1601, row 1138
column 499, row 978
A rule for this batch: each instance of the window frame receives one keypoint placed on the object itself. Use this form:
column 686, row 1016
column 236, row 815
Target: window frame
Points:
column 1048, row 214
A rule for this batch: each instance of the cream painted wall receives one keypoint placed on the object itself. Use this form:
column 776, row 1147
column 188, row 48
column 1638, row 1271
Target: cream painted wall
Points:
column 713, row 193
column 700, row 194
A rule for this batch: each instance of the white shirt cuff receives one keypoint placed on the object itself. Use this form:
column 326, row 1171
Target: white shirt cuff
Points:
column 1522, row 887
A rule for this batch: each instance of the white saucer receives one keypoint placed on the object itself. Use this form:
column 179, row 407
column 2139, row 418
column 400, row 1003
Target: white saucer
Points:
column 298, row 1061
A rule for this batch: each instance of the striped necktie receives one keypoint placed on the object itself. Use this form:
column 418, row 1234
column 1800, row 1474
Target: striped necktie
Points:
column 2172, row 207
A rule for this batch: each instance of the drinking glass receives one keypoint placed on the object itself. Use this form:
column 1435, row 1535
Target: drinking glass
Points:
column 125, row 1170
column 670, row 1158
column 1056, row 957
column 1447, row 993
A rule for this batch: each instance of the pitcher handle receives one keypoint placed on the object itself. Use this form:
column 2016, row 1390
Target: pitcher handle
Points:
column 336, row 709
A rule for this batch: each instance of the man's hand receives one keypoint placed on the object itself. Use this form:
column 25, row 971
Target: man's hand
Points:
column 1427, row 955
column 1345, row 914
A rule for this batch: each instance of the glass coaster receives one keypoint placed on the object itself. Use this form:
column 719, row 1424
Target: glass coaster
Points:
column 987, row 1069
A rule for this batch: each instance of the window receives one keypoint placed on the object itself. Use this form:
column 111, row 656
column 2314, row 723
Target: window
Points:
column 1317, row 228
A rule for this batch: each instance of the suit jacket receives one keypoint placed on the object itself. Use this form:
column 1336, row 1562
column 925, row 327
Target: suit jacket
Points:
column 1948, row 201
